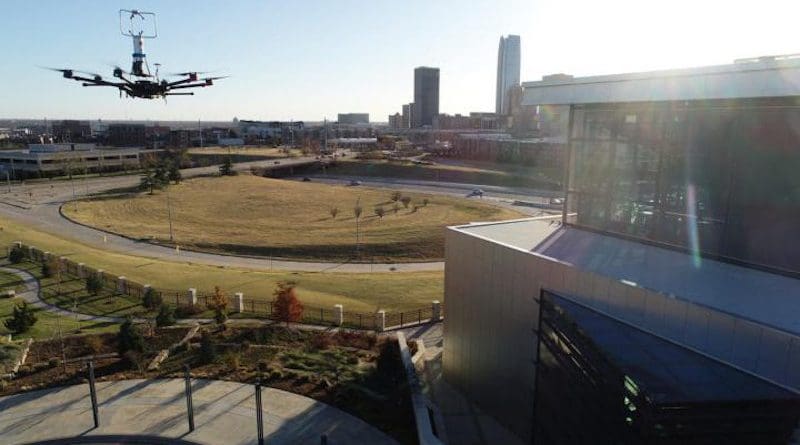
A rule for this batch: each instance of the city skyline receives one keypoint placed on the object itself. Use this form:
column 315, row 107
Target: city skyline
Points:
column 284, row 67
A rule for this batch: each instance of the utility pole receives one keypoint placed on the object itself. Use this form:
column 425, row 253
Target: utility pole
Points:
column 8, row 181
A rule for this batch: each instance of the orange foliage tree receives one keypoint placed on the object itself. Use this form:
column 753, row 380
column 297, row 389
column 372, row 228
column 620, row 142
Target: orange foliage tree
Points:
column 219, row 304
column 286, row 305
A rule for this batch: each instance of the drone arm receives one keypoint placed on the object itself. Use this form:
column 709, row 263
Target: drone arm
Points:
column 190, row 85
column 179, row 94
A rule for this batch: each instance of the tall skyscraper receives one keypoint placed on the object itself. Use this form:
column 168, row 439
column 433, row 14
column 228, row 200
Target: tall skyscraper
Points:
column 507, row 72
column 426, row 96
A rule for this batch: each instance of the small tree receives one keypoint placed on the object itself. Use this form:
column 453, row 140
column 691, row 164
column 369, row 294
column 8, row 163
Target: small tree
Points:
column 226, row 169
column 94, row 284
column 151, row 299
column 161, row 175
column 380, row 211
column 396, row 196
column 357, row 210
column 166, row 316
column 406, row 200
column 396, row 208
column 47, row 269
column 16, row 255
column 129, row 338
column 174, row 173
column 334, row 211
column 425, row 202
column 148, row 181
column 287, row 306
column 208, row 351
column 219, row 304
column 21, row 319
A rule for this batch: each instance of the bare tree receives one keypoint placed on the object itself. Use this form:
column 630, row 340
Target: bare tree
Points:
column 406, row 200
column 379, row 212
column 334, row 211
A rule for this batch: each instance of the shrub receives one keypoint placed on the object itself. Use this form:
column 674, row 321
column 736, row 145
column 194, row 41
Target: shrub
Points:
column 245, row 345
column 21, row 319
column 166, row 316
column 94, row 344
column 135, row 359
column 24, row 370
column 406, row 201
column 187, row 311
column 320, row 341
column 16, row 256
column 54, row 362
column 425, row 202
column 380, row 211
column 47, row 269
column 232, row 360
column 396, row 196
column 208, row 350
column 94, row 283
column 262, row 365
column 129, row 338
column 151, row 299
column 287, row 306
column 396, row 208
column 40, row 366
column 226, row 169
column 219, row 304
column 334, row 211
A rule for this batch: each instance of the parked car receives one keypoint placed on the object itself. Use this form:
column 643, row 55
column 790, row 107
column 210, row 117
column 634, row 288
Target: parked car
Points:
column 476, row 192
column 306, row 179
column 355, row 183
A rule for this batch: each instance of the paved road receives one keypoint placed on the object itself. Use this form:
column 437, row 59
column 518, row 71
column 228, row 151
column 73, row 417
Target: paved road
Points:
column 224, row 414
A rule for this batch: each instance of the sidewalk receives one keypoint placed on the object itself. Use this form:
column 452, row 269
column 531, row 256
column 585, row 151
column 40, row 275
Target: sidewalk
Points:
column 224, row 414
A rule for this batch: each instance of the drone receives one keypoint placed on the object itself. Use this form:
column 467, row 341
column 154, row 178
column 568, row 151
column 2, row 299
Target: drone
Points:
column 139, row 81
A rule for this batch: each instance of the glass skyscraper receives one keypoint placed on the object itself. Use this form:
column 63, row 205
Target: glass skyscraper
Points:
column 507, row 71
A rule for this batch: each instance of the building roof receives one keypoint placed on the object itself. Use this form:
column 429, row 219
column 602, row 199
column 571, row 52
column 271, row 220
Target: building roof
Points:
column 664, row 371
column 765, row 298
column 763, row 77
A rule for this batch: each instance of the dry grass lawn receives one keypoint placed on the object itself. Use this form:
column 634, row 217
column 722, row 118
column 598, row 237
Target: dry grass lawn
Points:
column 259, row 216
column 365, row 292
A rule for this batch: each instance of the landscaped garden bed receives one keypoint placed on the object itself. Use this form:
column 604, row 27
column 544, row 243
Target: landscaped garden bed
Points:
column 360, row 373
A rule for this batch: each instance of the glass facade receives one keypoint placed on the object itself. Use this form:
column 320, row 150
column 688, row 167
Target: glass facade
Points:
column 719, row 178
column 601, row 381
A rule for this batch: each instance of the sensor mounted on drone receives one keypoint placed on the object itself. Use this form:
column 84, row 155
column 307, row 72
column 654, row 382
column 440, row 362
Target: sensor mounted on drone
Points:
column 139, row 82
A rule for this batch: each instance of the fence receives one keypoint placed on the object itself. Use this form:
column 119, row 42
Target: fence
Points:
column 245, row 307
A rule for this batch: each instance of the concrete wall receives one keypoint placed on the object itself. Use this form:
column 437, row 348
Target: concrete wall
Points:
column 491, row 292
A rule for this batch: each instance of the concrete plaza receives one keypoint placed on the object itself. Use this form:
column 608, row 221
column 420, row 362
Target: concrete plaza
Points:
column 224, row 413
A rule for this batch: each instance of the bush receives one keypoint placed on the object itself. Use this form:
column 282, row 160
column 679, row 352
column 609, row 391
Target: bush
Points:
column 16, row 256
column 208, row 350
column 188, row 311
column 40, row 366
column 166, row 316
column 94, row 344
column 136, row 359
column 380, row 211
column 21, row 319
column 152, row 299
column 425, row 202
column 406, row 201
column 129, row 338
column 320, row 341
column 232, row 360
column 94, row 284
column 54, row 362
column 396, row 196
column 47, row 269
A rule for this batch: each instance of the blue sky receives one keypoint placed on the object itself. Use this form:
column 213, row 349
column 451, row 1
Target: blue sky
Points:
column 307, row 60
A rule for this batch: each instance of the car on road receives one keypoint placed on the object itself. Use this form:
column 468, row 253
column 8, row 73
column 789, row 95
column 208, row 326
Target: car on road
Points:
column 355, row 183
column 277, row 162
column 306, row 179
column 476, row 192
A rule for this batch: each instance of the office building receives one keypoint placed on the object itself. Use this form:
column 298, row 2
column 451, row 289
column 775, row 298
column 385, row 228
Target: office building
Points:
column 127, row 135
column 72, row 131
column 395, row 121
column 662, row 305
column 426, row 96
column 408, row 112
column 353, row 118
column 508, row 61
column 43, row 160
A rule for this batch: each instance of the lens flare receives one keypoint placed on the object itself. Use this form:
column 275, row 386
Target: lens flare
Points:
column 691, row 225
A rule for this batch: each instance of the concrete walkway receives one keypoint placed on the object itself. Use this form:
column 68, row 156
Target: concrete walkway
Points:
column 224, row 414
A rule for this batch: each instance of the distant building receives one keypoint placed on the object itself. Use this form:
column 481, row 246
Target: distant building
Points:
column 179, row 138
column 408, row 111
column 395, row 121
column 272, row 130
column 426, row 96
column 508, row 61
column 451, row 122
column 72, row 131
column 353, row 118
column 358, row 144
column 127, row 135
column 42, row 160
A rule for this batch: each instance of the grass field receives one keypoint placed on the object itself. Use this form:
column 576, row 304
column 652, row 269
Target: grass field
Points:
column 357, row 292
column 470, row 172
column 259, row 216
column 48, row 324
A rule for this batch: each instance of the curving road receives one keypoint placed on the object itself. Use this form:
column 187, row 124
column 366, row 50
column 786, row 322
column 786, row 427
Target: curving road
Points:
column 38, row 205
